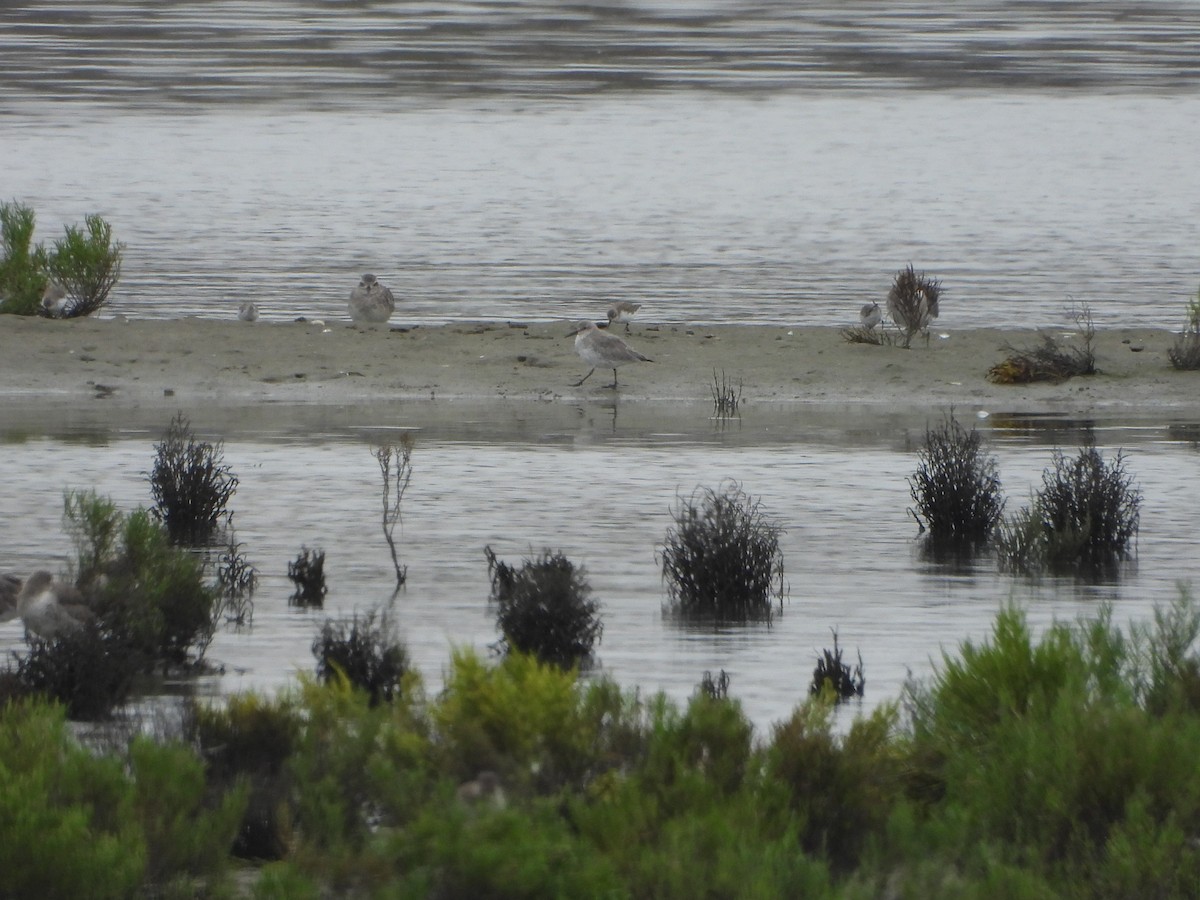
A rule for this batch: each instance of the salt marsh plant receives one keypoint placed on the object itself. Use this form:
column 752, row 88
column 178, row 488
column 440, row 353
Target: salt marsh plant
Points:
column 1083, row 519
column 22, row 264
column 395, row 468
column 87, row 263
column 956, row 486
column 237, row 580
column 90, row 671
column 726, row 396
column 1185, row 354
column 190, row 484
column 248, row 741
column 721, row 559
column 142, row 587
column 1051, row 360
column 912, row 302
column 307, row 573
column 81, row 824
column 835, row 676
column 364, row 652
column 545, row 608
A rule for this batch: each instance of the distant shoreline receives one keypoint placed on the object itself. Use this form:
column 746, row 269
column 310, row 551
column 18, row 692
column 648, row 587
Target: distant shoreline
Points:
column 138, row 364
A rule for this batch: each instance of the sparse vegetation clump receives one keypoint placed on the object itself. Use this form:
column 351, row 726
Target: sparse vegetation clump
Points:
column 835, row 676
column 722, row 559
column 956, row 487
column 913, row 303
column 1084, row 518
column 307, row 573
column 365, row 652
column 726, row 396
column 545, row 608
column 90, row 671
column 190, row 483
column 85, row 264
column 395, row 468
column 1185, row 353
column 22, row 264
column 151, row 599
column 237, row 580
column 1050, row 361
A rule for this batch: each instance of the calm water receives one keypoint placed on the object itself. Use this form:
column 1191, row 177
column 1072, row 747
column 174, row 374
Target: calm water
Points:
column 769, row 161
column 718, row 161
column 603, row 496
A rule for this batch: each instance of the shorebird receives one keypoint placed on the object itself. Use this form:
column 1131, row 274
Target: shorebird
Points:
column 248, row 312
column 55, row 302
column 49, row 607
column 485, row 788
column 623, row 311
column 600, row 349
column 870, row 316
column 10, row 589
column 371, row 303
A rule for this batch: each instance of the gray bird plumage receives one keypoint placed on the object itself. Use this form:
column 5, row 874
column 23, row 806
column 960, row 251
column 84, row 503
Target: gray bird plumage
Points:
column 371, row 303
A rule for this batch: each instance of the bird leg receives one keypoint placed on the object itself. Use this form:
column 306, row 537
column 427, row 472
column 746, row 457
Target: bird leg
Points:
column 586, row 377
column 614, row 384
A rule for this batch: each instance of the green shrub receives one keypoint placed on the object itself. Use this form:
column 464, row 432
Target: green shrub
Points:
column 519, row 718
column 721, row 559
column 956, row 486
column 90, row 670
column 190, row 484
column 67, row 824
column 1185, row 353
column 249, row 740
column 143, row 588
column 365, row 652
column 841, row 791
column 87, row 263
column 22, row 265
column 187, row 833
column 545, row 608
column 1083, row 520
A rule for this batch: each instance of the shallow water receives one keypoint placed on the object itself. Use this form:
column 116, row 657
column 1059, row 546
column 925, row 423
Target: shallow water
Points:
column 603, row 496
column 718, row 162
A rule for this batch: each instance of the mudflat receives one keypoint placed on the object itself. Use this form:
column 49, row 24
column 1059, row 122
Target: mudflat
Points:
column 147, row 364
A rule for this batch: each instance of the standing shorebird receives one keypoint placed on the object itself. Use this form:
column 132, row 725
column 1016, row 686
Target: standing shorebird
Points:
column 49, row 607
column 248, row 312
column 371, row 303
column 599, row 349
column 623, row 311
column 870, row 316
column 55, row 302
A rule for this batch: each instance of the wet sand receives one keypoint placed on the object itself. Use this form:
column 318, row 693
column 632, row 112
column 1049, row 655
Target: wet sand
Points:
column 115, row 364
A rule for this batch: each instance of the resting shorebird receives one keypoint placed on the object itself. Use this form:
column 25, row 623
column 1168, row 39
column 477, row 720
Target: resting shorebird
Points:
column 870, row 316
column 371, row 303
column 55, row 302
column 623, row 311
column 51, row 607
column 600, row 349
column 248, row 312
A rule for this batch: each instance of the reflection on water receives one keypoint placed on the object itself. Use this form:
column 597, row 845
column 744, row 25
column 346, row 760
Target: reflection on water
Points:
column 850, row 551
